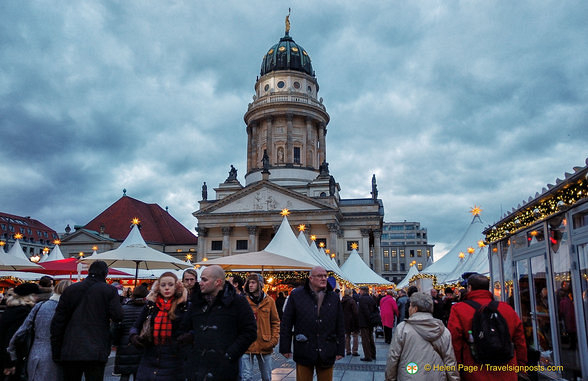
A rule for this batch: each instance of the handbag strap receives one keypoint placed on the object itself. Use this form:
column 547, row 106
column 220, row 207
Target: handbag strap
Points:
column 35, row 318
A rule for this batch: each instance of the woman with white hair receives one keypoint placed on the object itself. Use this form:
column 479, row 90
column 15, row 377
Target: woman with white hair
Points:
column 419, row 341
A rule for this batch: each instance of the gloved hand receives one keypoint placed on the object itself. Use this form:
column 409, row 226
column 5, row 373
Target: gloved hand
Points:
column 185, row 338
column 136, row 341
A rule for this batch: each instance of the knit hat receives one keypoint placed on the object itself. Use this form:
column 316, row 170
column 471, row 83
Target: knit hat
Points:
column 26, row 289
column 256, row 277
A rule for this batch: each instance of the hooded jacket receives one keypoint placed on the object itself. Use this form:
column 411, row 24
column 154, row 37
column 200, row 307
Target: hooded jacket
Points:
column 268, row 325
column 423, row 340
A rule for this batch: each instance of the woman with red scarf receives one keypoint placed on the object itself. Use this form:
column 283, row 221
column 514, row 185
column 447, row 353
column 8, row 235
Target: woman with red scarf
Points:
column 166, row 305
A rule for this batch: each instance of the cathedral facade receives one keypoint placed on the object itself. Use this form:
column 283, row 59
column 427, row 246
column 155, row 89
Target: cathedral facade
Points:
column 287, row 168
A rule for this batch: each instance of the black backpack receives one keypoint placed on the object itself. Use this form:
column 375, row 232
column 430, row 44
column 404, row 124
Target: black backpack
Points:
column 492, row 343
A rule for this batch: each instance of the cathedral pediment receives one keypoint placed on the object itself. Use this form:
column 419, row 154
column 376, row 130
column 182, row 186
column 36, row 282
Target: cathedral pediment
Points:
column 264, row 197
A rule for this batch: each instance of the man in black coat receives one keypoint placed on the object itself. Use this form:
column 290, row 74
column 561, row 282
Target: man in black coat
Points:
column 315, row 315
column 367, row 306
column 80, row 329
column 219, row 325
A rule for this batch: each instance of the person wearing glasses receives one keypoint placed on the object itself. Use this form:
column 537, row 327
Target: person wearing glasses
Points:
column 313, row 317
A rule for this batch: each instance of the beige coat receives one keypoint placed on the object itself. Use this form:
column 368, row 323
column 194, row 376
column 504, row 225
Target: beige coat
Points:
column 423, row 340
column 268, row 325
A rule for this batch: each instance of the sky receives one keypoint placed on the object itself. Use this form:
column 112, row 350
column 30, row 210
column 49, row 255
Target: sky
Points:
column 451, row 104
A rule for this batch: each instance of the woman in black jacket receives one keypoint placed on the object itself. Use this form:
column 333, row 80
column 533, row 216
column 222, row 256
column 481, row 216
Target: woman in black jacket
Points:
column 128, row 356
column 166, row 305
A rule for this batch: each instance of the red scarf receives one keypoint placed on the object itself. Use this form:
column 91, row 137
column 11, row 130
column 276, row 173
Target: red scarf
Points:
column 162, row 325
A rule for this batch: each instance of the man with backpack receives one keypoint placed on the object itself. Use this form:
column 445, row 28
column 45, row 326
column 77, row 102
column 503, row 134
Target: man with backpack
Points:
column 487, row 335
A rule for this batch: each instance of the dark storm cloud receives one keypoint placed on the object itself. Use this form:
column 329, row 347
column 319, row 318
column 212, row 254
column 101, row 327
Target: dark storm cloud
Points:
column 449, row 104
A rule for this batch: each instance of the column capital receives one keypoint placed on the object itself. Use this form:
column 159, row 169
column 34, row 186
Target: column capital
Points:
column 227, row 230
column 377, row 233
column 365, row 232
column 252, row 229
column 333, row 227
column 202, row 231
column 289, row 116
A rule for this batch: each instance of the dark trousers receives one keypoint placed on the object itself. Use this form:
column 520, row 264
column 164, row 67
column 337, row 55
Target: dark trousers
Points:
column 92, row 370
column 387, row 335
column 367, row 343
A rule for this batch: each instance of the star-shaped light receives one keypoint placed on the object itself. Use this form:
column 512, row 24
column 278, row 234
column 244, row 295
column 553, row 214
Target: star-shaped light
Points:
column 136, row 221
column 461, row 255
column 2, row 243
column 284, row 212
column 476, row 210
column 189, row 257
column 321, row 244
column 57, row 242
column 481, row 243
column 313, row 237
column 94, row 248
column 471, row 250
column 301, row 227
column 354, row 246
column 327, row 251
column 18, row 236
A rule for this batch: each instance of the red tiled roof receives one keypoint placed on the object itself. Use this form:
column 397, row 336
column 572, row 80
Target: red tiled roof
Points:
column 27, row 223
column 157, row 225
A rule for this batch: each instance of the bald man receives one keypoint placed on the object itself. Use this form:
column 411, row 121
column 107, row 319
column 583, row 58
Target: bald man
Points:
column 219, row 326
column 315, row 315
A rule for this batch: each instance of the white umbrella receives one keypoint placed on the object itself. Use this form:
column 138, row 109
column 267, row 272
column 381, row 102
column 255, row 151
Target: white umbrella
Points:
column 258, row 260
column 134, row 253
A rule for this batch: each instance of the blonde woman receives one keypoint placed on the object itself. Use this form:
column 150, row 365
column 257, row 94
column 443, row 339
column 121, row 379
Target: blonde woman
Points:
column 166, row 305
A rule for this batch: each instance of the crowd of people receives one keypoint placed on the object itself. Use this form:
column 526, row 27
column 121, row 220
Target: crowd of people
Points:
column 224, row 329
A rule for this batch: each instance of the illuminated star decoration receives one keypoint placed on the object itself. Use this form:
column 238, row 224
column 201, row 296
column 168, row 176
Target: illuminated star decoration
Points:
column 57, row 242
column 476, row 210
column 461, row 255
column 471, row 250
column 481, row 243
column 18, row 236
column 135, row 221
column 2, row 243
column 321, row 244
column 313, row 238
column 354, row 246
column 301, row 227
column 285, row 212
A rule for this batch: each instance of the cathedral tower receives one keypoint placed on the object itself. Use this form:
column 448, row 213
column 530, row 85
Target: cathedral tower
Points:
column 286, row 121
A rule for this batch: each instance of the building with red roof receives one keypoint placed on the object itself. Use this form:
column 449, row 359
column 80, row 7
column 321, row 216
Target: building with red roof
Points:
column 108, row 229
column 36, row 236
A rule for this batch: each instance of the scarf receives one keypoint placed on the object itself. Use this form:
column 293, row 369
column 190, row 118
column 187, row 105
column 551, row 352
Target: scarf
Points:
column 162, row 325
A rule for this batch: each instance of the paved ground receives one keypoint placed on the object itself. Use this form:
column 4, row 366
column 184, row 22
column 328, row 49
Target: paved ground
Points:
column 349, row 368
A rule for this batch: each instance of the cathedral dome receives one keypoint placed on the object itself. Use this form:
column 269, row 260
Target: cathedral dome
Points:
column 286, row 55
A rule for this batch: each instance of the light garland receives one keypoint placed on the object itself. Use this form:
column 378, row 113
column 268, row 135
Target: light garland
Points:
column 539, row 211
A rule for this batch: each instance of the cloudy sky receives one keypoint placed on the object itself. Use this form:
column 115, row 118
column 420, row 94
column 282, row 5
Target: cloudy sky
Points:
column 451, row 104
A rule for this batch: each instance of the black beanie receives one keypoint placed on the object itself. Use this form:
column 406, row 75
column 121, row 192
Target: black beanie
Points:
column 98, row 269
column 26, row 289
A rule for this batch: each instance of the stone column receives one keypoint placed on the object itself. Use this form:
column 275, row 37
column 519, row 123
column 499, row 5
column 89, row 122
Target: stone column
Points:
column 249, row 150
column 289, row 146
column 226, row 240
column 377, row 251
column 322, row 150
column 270, row 140
column 309, row 146
column 252, row 230
column 202, row 234
column 333, row 228
column 255, row 162
column 365, row 245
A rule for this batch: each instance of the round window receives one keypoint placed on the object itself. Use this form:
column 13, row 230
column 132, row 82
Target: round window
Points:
column 266, row 88
column 296, row 85
column 281, row 84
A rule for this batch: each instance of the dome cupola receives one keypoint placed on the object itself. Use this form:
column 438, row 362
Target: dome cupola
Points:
column 286, row 55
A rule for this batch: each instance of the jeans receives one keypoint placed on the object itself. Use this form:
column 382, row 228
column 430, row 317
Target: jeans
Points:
column 265, row 366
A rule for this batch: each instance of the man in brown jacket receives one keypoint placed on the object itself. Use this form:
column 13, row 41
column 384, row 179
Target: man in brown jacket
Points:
column 268, row 330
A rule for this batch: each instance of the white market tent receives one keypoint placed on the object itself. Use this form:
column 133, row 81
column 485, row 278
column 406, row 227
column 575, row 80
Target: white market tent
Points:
column 287, row 245
column 450, row 263
column 358, row 271
column 16, row 251
column 54, row 255
column 405, row 282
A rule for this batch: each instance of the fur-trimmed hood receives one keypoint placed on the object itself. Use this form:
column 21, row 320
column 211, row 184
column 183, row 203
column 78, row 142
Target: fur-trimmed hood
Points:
column 14, row 300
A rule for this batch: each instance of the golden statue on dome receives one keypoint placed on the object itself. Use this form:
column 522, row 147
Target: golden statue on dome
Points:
column 288, row 22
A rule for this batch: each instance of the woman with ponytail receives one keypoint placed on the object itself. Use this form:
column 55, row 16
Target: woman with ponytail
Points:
column 166, row 304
